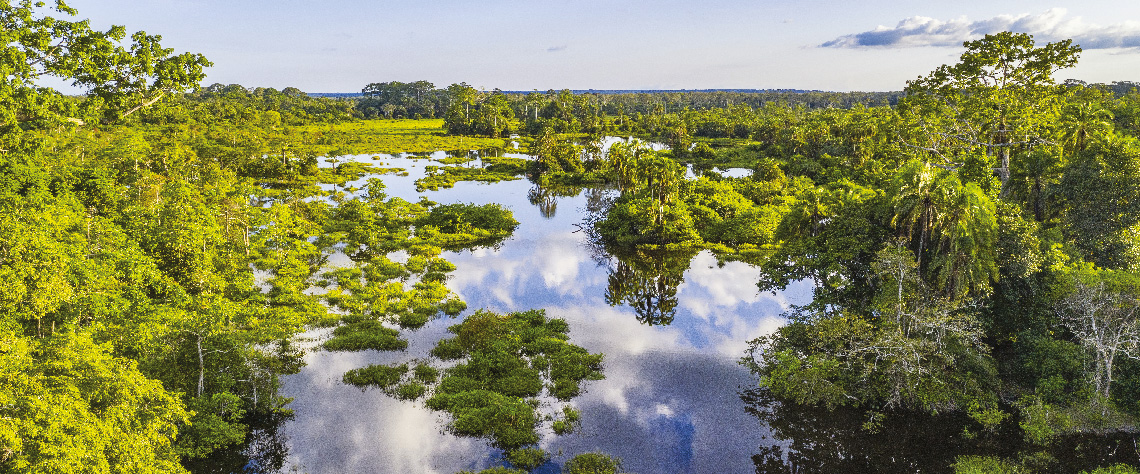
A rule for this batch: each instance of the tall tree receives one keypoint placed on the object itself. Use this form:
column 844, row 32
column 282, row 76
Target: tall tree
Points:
column 120, row 79
column 1000, row 97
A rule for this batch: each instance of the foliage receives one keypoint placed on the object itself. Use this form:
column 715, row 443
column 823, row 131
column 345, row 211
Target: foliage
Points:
column 984, row 465
column 159, row 245
column 447, row 176
column 592, row 463
column 999, row 97
column 68, row 405
column 382, row 376
column 1114, row 469
column 527, row 459
column 216, row 423
column 506, row 360
column 362, row 335
column 119, row 79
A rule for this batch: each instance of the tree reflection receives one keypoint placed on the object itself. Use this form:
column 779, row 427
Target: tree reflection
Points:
column 546, row 197
column 264, row 451
column 647, row 281
column 817, row 440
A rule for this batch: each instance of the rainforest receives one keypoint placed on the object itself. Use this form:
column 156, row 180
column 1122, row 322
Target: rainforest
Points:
column 219, row 278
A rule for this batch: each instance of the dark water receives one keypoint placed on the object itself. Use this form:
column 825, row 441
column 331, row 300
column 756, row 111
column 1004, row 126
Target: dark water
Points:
column 672, row 328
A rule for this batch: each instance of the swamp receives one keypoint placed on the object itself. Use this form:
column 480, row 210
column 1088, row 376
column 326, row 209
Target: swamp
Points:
column 224, row 279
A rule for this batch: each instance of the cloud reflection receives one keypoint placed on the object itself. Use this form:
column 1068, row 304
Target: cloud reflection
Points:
column 669, row 402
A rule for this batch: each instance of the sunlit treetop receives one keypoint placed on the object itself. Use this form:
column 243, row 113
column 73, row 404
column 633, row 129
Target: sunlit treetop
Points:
column 120, row 78
column 1001, row 60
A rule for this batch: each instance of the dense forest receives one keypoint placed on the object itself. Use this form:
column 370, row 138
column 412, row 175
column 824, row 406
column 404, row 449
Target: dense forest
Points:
column 973, row 243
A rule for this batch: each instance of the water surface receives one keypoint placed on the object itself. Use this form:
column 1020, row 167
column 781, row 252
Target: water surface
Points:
column 671, row 398
column 671, row 326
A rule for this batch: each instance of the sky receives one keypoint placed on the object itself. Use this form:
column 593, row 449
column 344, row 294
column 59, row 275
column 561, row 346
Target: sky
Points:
column 872, row 45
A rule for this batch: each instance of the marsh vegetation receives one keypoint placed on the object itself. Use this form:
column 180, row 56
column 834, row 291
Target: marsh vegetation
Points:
column 178, row 264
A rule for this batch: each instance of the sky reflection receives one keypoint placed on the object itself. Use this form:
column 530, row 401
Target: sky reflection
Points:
column 669, row 403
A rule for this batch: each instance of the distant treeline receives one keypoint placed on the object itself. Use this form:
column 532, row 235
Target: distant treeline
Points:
column 422, row 99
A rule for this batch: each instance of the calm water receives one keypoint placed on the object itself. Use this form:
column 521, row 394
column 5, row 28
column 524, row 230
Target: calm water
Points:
column 671, row 398
column 674, row 399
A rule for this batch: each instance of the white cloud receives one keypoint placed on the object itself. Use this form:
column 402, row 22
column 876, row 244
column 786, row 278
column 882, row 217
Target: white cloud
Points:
column 1051, row 25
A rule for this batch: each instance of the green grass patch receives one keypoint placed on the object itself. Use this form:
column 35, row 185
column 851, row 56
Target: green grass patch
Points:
column 390, row 136
column 446, row 176
column 382, row 376
column 365, row 335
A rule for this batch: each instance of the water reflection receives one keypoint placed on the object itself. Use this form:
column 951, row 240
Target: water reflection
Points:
column 265, row 450
column 818, row 440
column 670, row 400
column 546, row 197
column 647, row 281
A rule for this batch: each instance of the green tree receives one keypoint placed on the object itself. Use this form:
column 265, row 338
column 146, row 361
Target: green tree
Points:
column 1102, row 203
column 1000, row 97
column 953, row 227
column 66, row 405
column 1084, row 123
column 120, row 79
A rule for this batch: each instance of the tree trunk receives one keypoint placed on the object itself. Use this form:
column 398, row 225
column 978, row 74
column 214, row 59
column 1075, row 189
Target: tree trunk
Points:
column 1003, row 171
column 201, row 368
column 1038, row 200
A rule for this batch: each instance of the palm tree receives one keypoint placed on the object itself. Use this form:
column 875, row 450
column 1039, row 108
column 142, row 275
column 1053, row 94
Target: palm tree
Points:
column 622, row 159
column 955, row 225
column 1084, row 123
column 914, row 203
column 964, row 261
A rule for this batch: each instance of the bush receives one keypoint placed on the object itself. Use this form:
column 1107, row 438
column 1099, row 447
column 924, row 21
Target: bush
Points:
column 592, row 463
column 365, row 335
column 527, row 458
column 410, row 391
column 382, row 376
column 984, row 465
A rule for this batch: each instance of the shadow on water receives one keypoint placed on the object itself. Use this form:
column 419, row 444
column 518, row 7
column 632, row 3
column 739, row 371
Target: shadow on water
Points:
column 817, row 440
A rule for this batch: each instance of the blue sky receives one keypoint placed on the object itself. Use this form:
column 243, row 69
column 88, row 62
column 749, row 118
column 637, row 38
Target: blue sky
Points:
column 342, row 45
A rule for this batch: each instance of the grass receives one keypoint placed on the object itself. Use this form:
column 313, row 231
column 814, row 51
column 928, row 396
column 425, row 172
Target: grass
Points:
column 446, row 177
column 365, row 335
column 391, row 136
column 383, row 376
